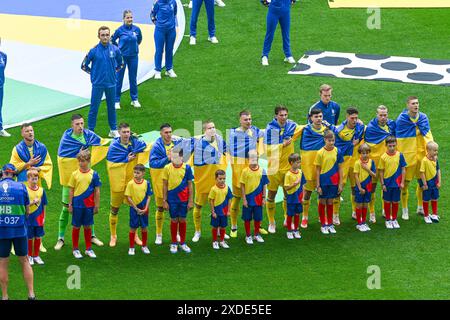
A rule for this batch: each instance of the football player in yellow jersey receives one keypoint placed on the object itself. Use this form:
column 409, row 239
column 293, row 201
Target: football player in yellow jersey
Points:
column 377, row 130
column 413, row 133
column 348, row 137
column 241, row 141
column 209, row 156
column 364, row 171
column 279, row 140
column 430, row 181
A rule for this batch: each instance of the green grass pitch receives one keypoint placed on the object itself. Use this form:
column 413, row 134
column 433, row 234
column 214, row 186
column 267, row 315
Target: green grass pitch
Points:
column 217, row 82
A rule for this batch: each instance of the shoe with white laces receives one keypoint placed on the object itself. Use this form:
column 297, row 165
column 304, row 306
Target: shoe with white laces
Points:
column 389, row 225
column 372, row 218
column 90, row 254
column 213, row 40
column 158, row 239
column 324, row 230
column 215, row 245
column 77, row 254
column 224, row 245
column 196, row 236
column 354, row 216
column 190, row 4
column 185, row 248
column 304, row 223
column 258, row 238
column 117, row 105
column 435, row 218
column 157, row 75
column 405, row 214
column 113, row 134
column 420, row 211
column 272, row 228
column 59, row 244
column 171, row 73
column 131, row 251
column 42, row 248
column 336, row 220
column 265, row 61
column 249, row 240
column 192, row 40
column 145, row 250
column 366, row 226
column 290, row 60
column 173, row 248
column 331, row 229
column 359, row 227
column 233, row 233
column 395, row 224
column 219, row 3
column 289, row 235
column 31, row 260
column 38, row 260
column 427, row 219
column 136, row 104
column 263, row 231
column 4, row 133
column 297, row 234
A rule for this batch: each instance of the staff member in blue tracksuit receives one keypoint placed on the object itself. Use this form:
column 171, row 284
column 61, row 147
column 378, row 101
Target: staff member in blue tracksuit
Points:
column 3, row 60
column 163, row 16
column 14, row 209
column 106, row 61
column 130, row 37
column 196, row 6
column 279, row 12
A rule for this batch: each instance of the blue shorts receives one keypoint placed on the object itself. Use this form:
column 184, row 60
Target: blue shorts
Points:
column 430, row 194
column 294, row 208
column 82, row 217
column 220, row 221
column 392, row 195
column 329, row 192
column 137, row 220
column 362, row 198
column 35, row 232
column 20, row 247
column 178, row 210
column 252, row 213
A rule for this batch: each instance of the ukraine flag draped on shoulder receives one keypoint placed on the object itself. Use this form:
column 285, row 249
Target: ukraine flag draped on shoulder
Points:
column 20, row 155
column 274, row 137
column 412, row 136
column 311, row 142
column 120, row 171
column 344, row 140
column 208, row 158
column 376, row 135
column 69, row 148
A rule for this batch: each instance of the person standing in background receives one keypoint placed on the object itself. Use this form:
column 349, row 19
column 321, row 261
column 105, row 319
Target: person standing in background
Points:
column 196, row 6
column 163, row 15
column 130, row 37
column 3, row 61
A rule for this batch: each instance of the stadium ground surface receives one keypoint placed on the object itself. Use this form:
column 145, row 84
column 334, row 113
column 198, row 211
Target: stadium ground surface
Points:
column 219, row 81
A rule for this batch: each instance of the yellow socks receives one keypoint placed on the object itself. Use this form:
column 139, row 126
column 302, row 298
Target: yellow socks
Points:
column 285, row 207
column 372, row 203
column 306, row 204
column 270, row 208
column 234, row 211
column 197, row 214
column 419, row 195
column 336, row 205
column 405, row 195
column 352, row 197
column 159, row 219
column 113, row 219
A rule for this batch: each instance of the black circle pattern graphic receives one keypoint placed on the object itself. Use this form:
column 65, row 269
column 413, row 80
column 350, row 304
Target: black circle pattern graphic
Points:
column 435, row 62
column 425, row 76
column 371, row 56
column 359, row 72
column 398, row 66
column 333, row 61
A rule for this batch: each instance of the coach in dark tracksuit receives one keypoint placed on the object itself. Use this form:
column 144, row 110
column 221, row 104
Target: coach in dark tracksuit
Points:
column 279, row 12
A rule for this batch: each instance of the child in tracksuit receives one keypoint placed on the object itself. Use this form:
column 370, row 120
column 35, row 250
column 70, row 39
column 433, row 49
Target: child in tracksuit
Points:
column 279, row 12
column 163, row 16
